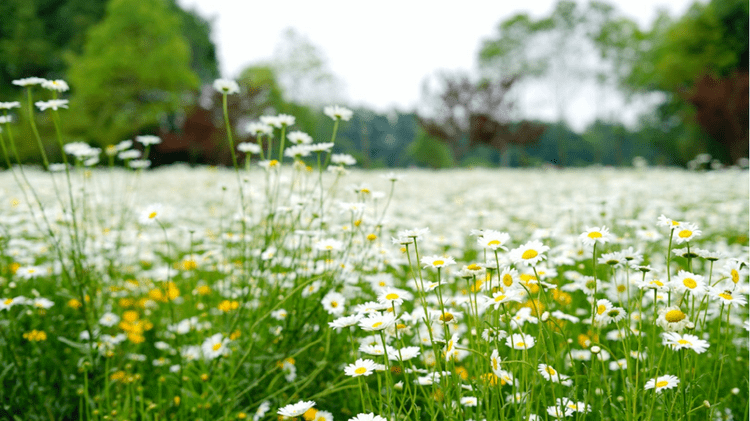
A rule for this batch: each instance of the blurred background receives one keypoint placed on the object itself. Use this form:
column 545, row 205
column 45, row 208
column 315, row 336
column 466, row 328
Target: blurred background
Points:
column 535, row 83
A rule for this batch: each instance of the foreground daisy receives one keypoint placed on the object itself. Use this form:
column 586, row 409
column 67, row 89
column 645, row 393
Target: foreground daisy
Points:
column 520, row 341
column 437, row 261
column 667, row 381
column 679, row 341
column 595, row 235
column 360, row 368
column 367, row 417
column 529, row 254
column 296, row 409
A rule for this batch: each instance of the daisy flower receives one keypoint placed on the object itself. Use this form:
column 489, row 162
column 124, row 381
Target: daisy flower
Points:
column 299, row 138
column 613, row 259
column 450, row 347
column 612, row 315
column 529, row 254
column 215, row 346
column 437, row 261
column 9, row 105
column 726, row 297
column 377, row 322
column 367, row 417
column 150, row 214
column 333, row 303
column 686, row 232
column 678, row 341
column 360, row 368
column 29, row 272
column 345, row 321
column 686, row 281
column 520, row 341
column 247, row 147
column 109, row 319
column 660, row 383
column 390, row 296
column 571, row 404
column 52, row 103
column 672, row 319
column 595, row 235
column 338, row 113
column 55, row 85
column 285, row 120
column 734, row 270
column 663, row 221
column 147, row 140
column 417, row 233
column 493, row 240
column 29, row 81
column 469, row 401
column 321, row 147
column 258, row 129
column 509, row 276
column 557, row 412
column 499, row 298
column 343, row 159
column 551, row 374
column 405, row 354
column 296, row 409
column 329, row 244
column 226, row 86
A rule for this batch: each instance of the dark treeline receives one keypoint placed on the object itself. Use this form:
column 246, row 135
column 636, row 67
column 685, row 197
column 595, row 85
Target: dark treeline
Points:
column 145, row 67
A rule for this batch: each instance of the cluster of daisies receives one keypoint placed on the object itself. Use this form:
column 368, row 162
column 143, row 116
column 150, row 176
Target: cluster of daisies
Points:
column 526, row 297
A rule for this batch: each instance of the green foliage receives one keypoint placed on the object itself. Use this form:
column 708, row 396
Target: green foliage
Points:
column 709, row 38
column 133, row 68
column 430, row 152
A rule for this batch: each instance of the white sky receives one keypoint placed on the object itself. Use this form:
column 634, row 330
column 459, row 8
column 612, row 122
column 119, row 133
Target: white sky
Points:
column 384, row 50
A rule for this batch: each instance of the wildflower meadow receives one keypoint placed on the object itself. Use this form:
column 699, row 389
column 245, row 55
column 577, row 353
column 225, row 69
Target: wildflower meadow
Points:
column 295, row 286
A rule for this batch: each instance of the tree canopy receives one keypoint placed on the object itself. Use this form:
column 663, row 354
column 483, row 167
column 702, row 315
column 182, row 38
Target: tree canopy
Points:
column 133, row 69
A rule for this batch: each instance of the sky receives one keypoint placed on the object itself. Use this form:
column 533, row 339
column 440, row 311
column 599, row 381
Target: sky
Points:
column 383, row 51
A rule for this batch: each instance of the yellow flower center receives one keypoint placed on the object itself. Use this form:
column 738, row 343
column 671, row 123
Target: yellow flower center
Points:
column 360, row 370
column 376, row 324
column 507, row 280
column 662, row 383
column 446, row 317
column 273, row 163
column 595, row 234
column 674, row 316
column 690, row 283
column 216, row 347
column 726, row 296
column 657, row 282
column 493, row 243
column 521, row 344
column 329, row 247
column 685, row 233
column 529, row 254
column 152, row 215
column 391, row 296
column 601, row 309
column 334, row 304
column 551, row 371
column 473, row 266
column 438, row 262
column 621, row 288
column 735, row 276
column 499, row 298
column 683, row 342
column 8, row 301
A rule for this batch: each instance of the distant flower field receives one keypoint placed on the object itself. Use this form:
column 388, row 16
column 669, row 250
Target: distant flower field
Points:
column 302, row 289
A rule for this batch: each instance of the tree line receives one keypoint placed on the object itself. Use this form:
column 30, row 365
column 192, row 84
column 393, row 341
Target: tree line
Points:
column 145, row 67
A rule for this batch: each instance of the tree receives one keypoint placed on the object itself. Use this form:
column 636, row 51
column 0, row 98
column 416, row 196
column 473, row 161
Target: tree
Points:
column 465, row 114
column 700, row 63
column 134, row 67
column 303, row 72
